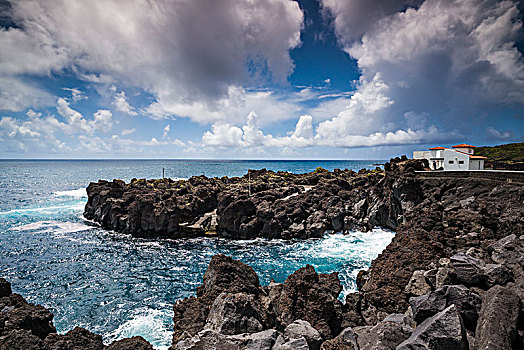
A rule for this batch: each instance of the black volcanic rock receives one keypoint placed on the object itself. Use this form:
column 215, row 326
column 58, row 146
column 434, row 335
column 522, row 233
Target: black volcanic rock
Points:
column 231, row 302
column 30, row 327
column 224, row 275
column 134, row 343
column 5, row 288
column 263, row 204
column 77, row 338
column 497, row 325
column 311, row 297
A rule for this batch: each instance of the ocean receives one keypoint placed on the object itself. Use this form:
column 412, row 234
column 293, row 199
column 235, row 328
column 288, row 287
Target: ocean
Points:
column 120, row 286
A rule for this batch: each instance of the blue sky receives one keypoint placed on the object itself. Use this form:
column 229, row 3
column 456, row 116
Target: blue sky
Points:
column 275, row 79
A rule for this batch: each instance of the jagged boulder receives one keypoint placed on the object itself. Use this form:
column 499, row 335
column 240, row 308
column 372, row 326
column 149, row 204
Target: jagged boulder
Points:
column 443, row 331
column 303, row 329
column 312, row 297
column 466, row 301
column 386, row 335
column 30, row 327
column 224, row 275
column 35, row 318
column 291, row 344
column 235, row 314
column 76, row 339
column 468, row 269
column 417, row 284
column 134, row 343
column 21, row 339
column 5, row 288
column 497, row 324
column 346, row 340
column 210, row 340
column 508, row 250
column 494, row 274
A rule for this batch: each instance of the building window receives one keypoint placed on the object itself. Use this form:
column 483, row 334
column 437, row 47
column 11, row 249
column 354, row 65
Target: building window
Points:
column 461, row 162
column 450, row 162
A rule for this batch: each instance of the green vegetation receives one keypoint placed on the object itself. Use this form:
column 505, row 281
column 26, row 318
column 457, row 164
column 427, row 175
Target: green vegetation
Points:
column 509, row 156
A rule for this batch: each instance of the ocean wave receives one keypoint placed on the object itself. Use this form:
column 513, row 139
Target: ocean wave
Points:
column 46, row 210
column 56, row 227
column 152, row 324
column 78, row 193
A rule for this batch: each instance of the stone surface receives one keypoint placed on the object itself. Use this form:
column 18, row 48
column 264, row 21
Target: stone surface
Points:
column 312, row 297
column 436, row 227
column 346, row 340
column 508, row 250
column 292, row 344
column 5, row 288
column 467, row 268
column 445, row 276
column 467, row 303
column 443, row 331
column 494, row 274
column 35, row 318
column 417, row 284
column 384, row 336
column 263, row 203
column 76, row 339
column 302, row 329
column 30, row 327
column 21, row 339
column 224, row 275
column 234, row 314
column 427, row 305
column 497, row 324
column 134, row 343
column 210, row 340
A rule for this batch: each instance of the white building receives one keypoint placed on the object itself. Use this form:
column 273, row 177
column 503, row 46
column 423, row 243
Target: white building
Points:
column 459, row 157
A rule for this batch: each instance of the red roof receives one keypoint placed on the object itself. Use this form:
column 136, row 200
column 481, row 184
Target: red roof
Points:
column 463, row 145
column 436, row 148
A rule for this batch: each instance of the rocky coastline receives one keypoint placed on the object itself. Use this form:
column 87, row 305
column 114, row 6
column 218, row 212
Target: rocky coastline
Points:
column 260, row 204
column 452, row 278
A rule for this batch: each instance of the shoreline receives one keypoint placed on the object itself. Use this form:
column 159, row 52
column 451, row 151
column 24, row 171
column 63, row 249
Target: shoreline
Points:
column 456, row 260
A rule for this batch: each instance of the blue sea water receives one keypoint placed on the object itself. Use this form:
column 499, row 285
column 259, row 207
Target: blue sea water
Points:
column 120, row 286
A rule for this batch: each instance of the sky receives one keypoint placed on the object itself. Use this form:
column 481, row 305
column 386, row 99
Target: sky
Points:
column 265, row 79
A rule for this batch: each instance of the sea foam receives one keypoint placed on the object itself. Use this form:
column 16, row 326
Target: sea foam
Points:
column 152, row 324
column 78, row 193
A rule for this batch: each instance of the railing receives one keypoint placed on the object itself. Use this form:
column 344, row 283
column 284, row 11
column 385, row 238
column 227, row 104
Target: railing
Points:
column 491, row 175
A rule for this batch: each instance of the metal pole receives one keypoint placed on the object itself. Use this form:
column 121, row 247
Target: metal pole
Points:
column 249, row 182
column 163, row 177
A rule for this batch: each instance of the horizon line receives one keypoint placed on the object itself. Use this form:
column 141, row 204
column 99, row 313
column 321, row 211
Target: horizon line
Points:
column 186, row 159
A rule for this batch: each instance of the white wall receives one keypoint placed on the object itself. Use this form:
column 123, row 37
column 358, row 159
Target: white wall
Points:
column 421, row 154
column 456, row 158
column 476, row 164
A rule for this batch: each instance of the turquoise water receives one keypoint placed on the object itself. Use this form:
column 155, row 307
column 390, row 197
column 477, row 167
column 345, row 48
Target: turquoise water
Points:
column 120, row 286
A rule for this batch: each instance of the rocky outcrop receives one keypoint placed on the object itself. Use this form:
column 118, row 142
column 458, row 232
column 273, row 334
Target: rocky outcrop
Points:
column 443, row 331
column 304, row 312
column 456, row 240
column 233, row 280
column 261, row 204
column 497, row 325
column 452, row 216
column 28, row 326
column 312, row 297
column 230, row 303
